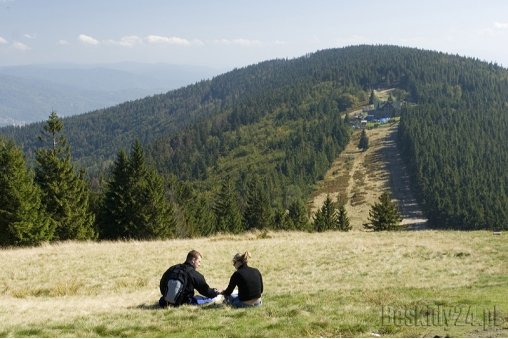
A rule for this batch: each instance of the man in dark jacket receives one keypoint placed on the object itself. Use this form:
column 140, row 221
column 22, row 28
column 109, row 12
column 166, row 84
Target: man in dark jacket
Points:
column 195, row 281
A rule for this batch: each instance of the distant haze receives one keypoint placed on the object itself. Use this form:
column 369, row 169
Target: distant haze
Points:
column 29, row 93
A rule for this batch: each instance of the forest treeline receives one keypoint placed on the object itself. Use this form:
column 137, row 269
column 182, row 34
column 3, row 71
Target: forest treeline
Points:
column 275, row 127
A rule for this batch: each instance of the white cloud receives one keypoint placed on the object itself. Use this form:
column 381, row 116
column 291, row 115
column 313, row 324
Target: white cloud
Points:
column 156, row 39
column 28, row 36
column 278, row 42
column 241, row 42
column 485, row 31
column 494, row 31
column 126, row 41
column 500, row 25
column 2, row 40
column 63, row 42
column 88, row 40
column 20, row 46
column 197, row 42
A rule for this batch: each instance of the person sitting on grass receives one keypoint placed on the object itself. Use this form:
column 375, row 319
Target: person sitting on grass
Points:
column 249, row 282
column 178, row 288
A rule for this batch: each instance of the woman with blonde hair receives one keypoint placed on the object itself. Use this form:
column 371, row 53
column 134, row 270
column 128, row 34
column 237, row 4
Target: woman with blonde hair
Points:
column 249, row 282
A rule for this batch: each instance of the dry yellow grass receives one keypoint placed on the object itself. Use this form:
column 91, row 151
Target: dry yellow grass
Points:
column 81, row 282
column 359, row 175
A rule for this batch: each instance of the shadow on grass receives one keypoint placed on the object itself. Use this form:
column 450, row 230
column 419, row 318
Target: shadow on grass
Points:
column 153, row 306
column 156, row 306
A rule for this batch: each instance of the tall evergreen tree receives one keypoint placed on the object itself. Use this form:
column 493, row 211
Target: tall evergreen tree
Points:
column 65, row 194
column 343, row 223
column 325, row 218
column 203, row 217
column 135, row 204
column 297, row 214
column 23, row 220
column 196, row 210
column 384, row 215
column 156, row 213
column 346, row 119
column 257, row 213
column 373, row 98
column 115, row 210
column 364, row 141
column 281, row 220
column 227, row 215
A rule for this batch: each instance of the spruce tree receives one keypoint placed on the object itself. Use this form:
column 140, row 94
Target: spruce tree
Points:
column 135, row 204
column 373, row 98
column 281, row 219
column 156, row 213
column 343, row 220
column 197, row 218
column 227, row 215
column 346, row 119
column 65, row 194
column 325, row 218
column 257, row 213
column 364, row 141
column 297, row 214
column 23, row 219
column 384, row 215
column 203, row 216
column 115, row 209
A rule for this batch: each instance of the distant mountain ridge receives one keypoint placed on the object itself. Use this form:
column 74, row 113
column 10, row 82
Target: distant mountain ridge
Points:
column 281, row 120
column 28, row 93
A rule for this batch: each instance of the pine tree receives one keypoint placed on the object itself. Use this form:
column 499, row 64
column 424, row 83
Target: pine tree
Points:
column 325, row 218
column 364, row 141
column 203, row 217
column 227, row 214
column 65, row 194
column 156, row 213
column 343, row 220
column 135, row 205
column 346, row 119
column 384, row 215
column 115, row 209
column 281, row 219
column 373, row 98
column 257, row 213
column 297, row 214
column 198, row 218
column 23, row 220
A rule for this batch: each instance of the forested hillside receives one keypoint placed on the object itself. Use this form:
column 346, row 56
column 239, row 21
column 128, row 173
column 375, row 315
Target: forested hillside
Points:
column 261, row 136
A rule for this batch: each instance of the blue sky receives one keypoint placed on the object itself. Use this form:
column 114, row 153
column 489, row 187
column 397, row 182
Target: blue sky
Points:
column 228, row 34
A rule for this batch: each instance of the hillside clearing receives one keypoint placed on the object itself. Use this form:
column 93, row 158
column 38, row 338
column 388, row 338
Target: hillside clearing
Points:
column 358, row 179
column 329, row 284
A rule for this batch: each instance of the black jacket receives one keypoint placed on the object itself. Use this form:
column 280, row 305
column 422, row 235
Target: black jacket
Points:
column 197, row 281
column 249, row 282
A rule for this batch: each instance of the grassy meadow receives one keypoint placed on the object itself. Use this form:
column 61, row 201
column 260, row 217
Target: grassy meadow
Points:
column 357, row 284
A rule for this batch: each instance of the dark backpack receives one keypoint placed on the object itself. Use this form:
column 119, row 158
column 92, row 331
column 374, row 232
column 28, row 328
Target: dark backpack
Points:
column 173, row 284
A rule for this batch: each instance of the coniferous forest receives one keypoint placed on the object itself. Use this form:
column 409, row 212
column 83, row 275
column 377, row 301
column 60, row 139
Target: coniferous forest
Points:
column 243, row 150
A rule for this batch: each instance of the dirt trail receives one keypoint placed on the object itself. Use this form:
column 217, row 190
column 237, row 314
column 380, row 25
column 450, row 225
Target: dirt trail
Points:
column 400, row 190
column 358, row 179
